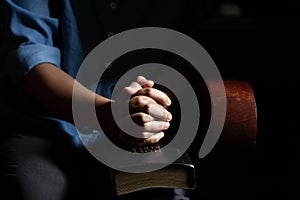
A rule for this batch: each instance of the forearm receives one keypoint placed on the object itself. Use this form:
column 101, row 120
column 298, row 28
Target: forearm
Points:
column 53, row 88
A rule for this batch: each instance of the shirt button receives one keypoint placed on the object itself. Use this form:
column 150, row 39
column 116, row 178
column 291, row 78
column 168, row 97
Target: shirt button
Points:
column 109, row 34
column 113, row 5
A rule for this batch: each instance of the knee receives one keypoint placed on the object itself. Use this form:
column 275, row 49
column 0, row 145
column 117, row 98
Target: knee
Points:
column 39, row 180
column 28, row 170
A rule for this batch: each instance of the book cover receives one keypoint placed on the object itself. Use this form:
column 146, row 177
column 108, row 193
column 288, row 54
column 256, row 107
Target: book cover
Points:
column 179, row 174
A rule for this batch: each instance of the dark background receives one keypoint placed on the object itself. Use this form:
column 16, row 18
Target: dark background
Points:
column 256, row 41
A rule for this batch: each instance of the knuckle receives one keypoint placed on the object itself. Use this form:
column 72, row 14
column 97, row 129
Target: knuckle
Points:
column 138, row 101
column 146, row 125
column 147, row 109
column 140, row 117
column 142, row 100
column 145, row 118
column 147, row 91
column 134, row 101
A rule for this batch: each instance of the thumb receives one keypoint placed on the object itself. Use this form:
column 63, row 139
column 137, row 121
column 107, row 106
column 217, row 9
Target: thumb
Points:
column 145, row 83
column 133, row 88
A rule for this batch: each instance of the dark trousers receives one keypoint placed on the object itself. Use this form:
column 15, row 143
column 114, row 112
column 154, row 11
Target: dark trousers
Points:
column 36, row 168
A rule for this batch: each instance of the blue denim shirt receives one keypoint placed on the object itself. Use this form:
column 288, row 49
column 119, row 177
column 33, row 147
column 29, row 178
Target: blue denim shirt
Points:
column 61, row 32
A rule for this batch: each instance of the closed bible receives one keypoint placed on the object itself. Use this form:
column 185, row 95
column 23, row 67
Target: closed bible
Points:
column 179, row 174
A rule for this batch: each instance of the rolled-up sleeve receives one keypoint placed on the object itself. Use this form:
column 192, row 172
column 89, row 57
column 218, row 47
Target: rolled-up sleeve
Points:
column 30, row 33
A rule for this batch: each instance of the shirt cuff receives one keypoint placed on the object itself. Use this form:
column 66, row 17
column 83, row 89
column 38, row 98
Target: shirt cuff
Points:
column 33, row 54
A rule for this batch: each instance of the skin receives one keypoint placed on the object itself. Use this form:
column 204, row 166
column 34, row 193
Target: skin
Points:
column 147, row 105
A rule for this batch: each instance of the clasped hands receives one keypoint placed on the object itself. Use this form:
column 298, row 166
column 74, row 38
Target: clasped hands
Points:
column 148, row 109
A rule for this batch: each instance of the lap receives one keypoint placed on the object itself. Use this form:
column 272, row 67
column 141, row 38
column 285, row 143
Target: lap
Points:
column 36, row 168
column 33, row 167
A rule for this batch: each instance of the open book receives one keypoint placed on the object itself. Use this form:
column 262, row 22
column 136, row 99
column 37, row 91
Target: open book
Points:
column 179, row 174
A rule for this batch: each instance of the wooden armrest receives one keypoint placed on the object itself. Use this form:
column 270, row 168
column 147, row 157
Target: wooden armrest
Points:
column 240, row 126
